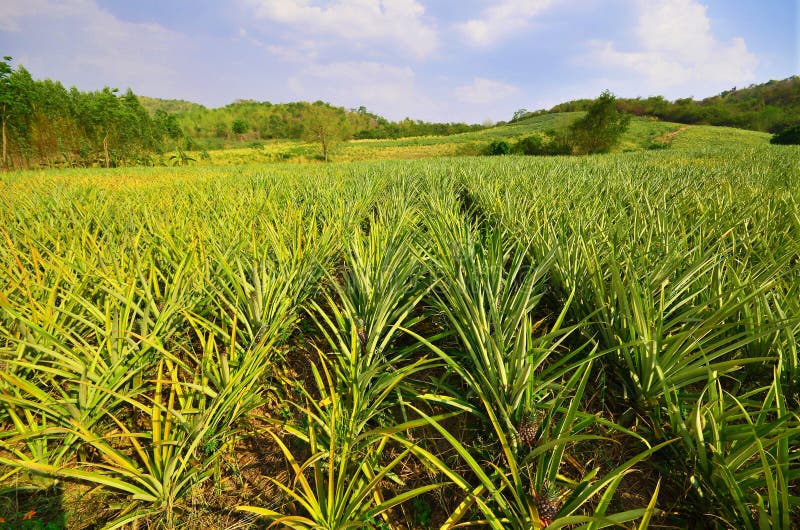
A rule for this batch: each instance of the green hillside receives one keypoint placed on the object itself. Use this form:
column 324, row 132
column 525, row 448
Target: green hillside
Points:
column 770, row 106
column 642, row 134
column 46, row 125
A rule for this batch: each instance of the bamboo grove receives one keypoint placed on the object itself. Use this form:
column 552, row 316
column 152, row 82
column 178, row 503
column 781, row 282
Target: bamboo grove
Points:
column 505, row 343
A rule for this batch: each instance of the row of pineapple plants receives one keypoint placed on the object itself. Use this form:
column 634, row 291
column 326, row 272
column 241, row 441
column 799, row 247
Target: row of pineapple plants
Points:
column 138, row 329
column 689, row 281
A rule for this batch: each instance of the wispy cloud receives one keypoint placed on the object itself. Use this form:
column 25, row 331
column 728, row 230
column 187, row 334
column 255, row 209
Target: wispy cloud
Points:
column 676, row 48
column 373, row 84
column 301, row 51
column 91, row 44
column 501, row 20
column 12, row 12
column 483, row 91
column 395, row 23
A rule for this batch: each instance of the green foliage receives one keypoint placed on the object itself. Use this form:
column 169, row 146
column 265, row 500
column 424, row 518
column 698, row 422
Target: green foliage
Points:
column 381, row 128
column 271, row 121
column 601, row 128
column 168, row 124
column 44, row 124
column 498, row 147
column 788, row 136
column 180, row 158
column 239, row 126
column 519, row 114
column 5, row 72
column 325, row 125
column 6, row 101
column 422, row 512
column 551, row 144
column 530, row 145
column 168, row 106
column 771, row 106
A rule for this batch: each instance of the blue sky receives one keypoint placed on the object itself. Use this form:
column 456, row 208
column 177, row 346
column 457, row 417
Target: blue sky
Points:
column 440, row 60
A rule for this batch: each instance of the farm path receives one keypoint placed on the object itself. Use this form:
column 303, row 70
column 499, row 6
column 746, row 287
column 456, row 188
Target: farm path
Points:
column 668, row 137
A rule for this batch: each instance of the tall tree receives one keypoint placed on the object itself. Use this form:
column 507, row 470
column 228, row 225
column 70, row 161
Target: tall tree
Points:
column 5, row 103
column 325, row 125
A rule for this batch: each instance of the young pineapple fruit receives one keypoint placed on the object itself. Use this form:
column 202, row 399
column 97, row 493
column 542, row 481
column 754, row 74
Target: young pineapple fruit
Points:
column 362, row 334
column 547, row 504
column 362, row 338
column 528, row 429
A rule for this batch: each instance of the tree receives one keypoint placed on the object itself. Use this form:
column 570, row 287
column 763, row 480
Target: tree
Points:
column 5, row 102
column 601, row 128
column 551, row 144
column 105, row 110
column 167, row 125
column 17, row 94
column 325, row 125
column 519, row 114
column 43, row 123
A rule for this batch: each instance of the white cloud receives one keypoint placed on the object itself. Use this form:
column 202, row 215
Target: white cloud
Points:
column 87, row 45
column 306, row 51
column 12, row 11
column 388, row 89
column 677, row 48
column 356, row 22
column 483, row 91
column 301, row 51
column 500, row 20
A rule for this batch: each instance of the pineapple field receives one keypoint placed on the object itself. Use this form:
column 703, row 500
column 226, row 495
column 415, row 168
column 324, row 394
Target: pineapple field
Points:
column 506, row 342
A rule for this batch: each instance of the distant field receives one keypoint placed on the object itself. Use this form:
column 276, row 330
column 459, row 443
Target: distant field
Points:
column 642, row 134
column 509, row 342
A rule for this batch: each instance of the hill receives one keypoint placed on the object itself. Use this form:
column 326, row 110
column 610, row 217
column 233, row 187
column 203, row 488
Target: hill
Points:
column 247, row 120
column 768, row 107
column 643, row 134
column 47, row 125
column 170, row 106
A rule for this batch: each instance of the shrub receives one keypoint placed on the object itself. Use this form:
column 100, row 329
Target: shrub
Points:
column 788, row 136
column 498, row 147
column 601, row 128
column 239, row 126
column 553, row 144
column 530, row 145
